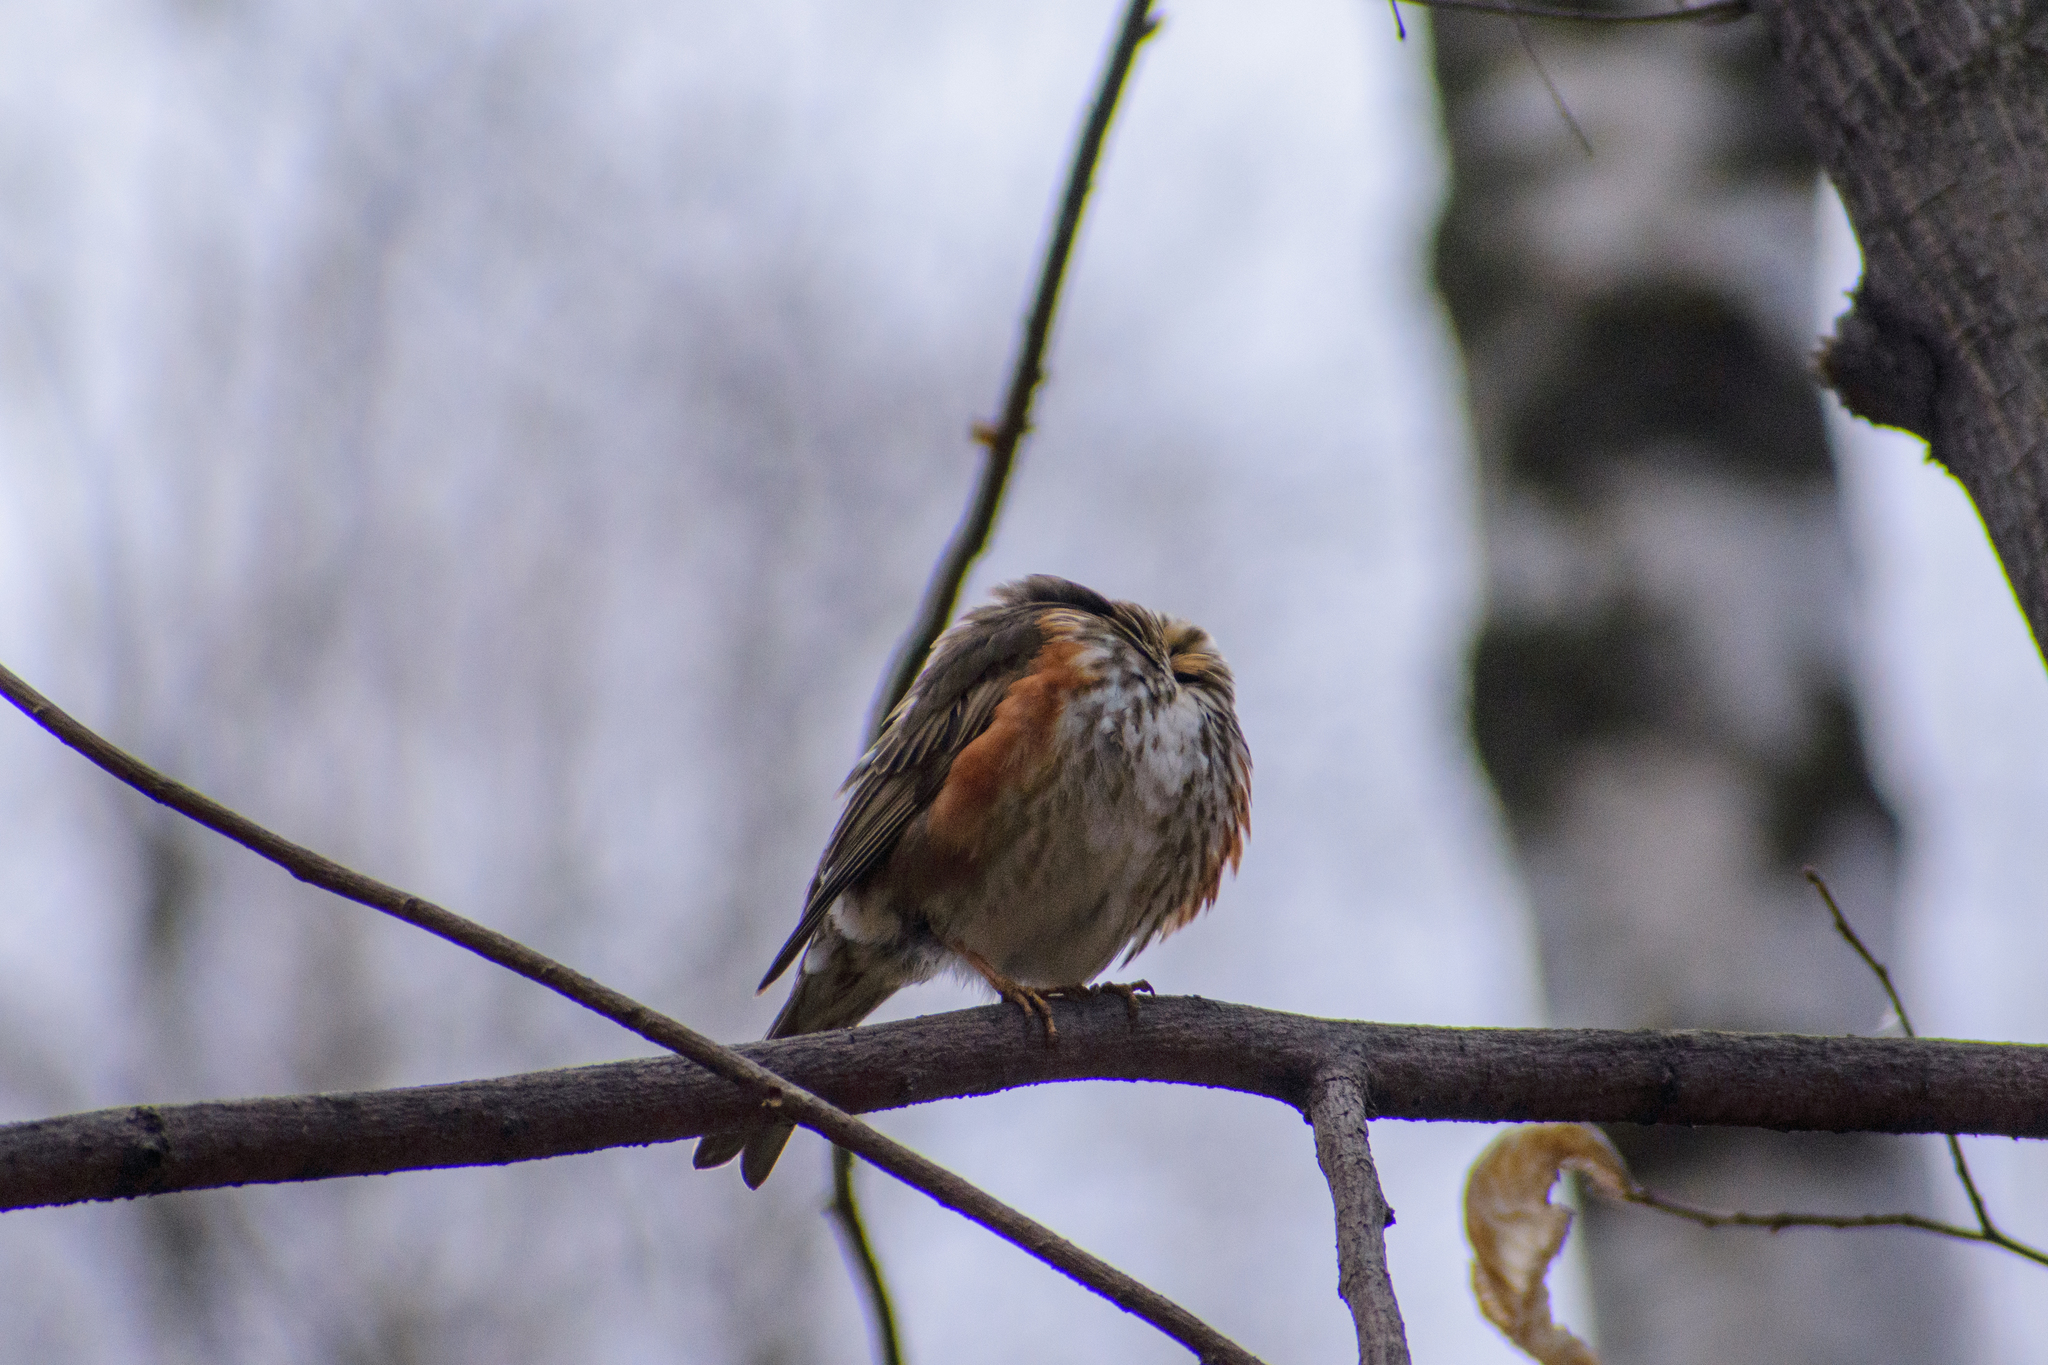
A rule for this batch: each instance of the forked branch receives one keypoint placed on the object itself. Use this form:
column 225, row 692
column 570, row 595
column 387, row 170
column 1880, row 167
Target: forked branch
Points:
column 768, row 1089
column 1986, row 1231
column 1787, row 1082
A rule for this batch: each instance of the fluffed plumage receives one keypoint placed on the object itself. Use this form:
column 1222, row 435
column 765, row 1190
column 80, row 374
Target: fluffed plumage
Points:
column 1065, row 781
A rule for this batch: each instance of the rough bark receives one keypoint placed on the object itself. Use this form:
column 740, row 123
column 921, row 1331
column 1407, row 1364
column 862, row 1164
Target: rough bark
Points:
column 1931, row 118
column 1774, row 1081
column 1337, row 1109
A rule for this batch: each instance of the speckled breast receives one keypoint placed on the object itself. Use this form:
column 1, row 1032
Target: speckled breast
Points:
column 1110, row 840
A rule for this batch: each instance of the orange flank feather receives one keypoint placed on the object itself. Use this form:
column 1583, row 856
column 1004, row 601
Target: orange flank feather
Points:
column 1003, row 758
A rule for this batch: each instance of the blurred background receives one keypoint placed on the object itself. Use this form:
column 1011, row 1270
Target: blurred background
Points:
column 500, row 444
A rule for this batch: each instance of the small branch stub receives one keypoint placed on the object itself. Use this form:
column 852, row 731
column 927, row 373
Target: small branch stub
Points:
column 1882, row 369
column 1337, row 1110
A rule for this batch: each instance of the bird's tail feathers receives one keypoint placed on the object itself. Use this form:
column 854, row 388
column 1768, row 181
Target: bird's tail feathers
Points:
column 854, row 979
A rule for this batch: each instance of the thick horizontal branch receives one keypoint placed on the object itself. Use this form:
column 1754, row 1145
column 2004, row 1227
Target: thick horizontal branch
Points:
column 1781, row 1081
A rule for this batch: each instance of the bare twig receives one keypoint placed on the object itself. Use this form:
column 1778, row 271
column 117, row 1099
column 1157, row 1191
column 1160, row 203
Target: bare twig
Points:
column 1877, row 969
column 1337, row 1109
column 1564, row 111
column 1719, row 11
column 846, row 1212
column 1000, row 441
column 1715, row 1218
column 1987, row 1230
column 793, row 1102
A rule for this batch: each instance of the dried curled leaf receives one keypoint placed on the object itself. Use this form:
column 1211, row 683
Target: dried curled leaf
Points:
column 1515, row 1230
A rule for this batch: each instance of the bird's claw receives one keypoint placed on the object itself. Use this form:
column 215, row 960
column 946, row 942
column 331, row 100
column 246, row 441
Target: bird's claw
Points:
column 1032, row 1002
column 1128, row 993
column 1035, row 1005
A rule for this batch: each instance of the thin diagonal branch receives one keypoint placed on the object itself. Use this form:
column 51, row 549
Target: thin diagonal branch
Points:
column 794, row 1102
column 1000, row 441
column 1990, row 1230
column 1986, row 1231
column 1337, row 1110
column 1877, row 969
column 1564, row 111
column 970, row 538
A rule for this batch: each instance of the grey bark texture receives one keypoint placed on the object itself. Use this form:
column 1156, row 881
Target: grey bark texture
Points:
column 1660, row 690
column 1784, row 1082
column 1337, row 1110
column 1931, row 119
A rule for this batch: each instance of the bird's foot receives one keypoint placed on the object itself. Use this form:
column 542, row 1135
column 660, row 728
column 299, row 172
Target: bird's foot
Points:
column 1127, row 992
column 1032, row 1002
column 1130, row 991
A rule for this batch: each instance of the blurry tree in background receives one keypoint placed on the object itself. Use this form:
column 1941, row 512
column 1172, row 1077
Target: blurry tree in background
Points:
column 1662, row 691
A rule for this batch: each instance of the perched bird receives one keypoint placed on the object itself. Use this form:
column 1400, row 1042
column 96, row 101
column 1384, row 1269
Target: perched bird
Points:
column 1064, row 781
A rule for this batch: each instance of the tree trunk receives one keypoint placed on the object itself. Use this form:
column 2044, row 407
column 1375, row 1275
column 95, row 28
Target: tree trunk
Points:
column 1931, row 117
column 1660, row 691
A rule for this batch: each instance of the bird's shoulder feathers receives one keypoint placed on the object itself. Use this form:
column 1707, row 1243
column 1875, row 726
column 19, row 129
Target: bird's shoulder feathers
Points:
column 974, row 667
